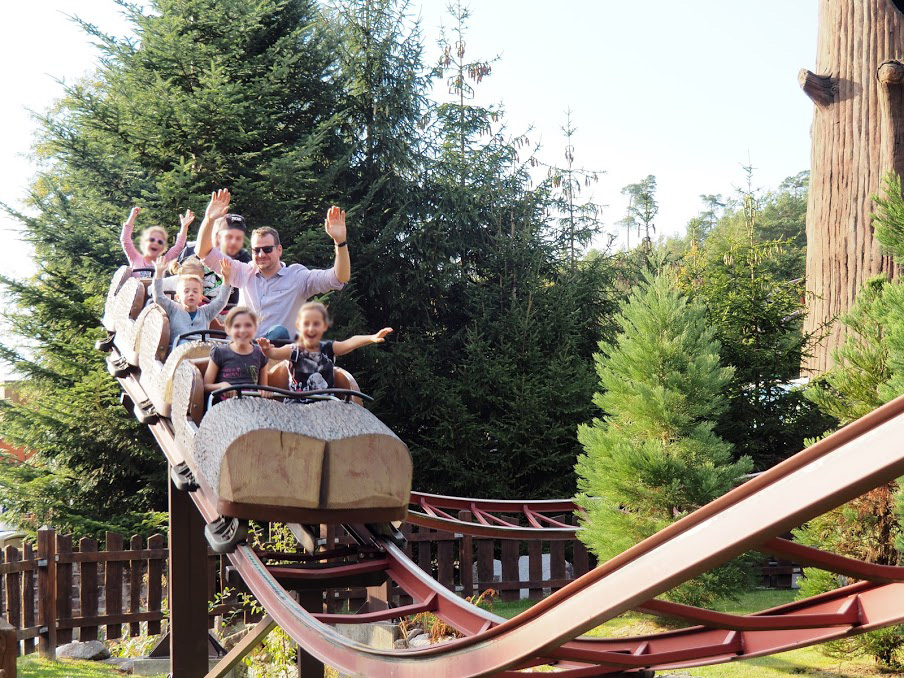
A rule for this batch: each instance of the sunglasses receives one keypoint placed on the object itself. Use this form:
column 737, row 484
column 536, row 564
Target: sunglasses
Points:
column 159, row 241
column 266, row 249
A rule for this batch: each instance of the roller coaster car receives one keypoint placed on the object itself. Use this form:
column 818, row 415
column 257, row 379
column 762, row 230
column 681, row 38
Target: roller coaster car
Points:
column 324, row 462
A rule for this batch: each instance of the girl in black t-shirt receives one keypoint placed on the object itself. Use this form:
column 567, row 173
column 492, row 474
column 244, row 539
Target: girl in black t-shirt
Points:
column 241, row 361
column 311, row 359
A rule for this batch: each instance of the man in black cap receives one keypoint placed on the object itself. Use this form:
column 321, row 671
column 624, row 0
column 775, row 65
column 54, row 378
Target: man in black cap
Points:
column 229, row 235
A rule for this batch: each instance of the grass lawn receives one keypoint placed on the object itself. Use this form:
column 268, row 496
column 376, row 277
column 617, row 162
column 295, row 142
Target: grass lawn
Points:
column 808, row 661
column 33, row 666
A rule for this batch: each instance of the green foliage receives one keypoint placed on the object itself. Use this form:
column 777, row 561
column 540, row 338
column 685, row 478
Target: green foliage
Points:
column 653, row 457
column 754, row 301
column 295, row 107
column 854, row 386
column 213, row 93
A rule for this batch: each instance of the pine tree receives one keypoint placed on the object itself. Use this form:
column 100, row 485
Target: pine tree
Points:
column 653, row 456
column 754, row 301
column 206, row 94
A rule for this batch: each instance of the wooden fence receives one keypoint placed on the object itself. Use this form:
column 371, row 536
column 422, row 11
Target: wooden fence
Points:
column 60, row 590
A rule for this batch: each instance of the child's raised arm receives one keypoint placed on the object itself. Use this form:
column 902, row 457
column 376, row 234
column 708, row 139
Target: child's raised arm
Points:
column 359, row 340
column 184, row 222
column 125, row 237
column 273, row 353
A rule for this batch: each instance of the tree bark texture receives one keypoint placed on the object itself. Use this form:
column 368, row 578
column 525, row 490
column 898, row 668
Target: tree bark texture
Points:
column 857, row 136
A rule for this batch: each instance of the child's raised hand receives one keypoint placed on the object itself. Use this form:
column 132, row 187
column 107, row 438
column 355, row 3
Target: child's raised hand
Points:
column 265, row 345
column 133, row 215
column 186, row 219
column 226, row 270
column 380, row 336
column 159, row 266
column 335, row 224
column 219, row 204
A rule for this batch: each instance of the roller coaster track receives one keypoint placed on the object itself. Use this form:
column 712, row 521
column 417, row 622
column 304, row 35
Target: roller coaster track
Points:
column 863, row 455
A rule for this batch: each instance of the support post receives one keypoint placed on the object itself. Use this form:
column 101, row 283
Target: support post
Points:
column 308, row 665
column 47, row 640
column 187, row 587
column 9, row 648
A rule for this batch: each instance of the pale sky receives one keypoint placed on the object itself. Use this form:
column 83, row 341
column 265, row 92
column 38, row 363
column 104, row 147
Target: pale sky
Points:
column 686, row 91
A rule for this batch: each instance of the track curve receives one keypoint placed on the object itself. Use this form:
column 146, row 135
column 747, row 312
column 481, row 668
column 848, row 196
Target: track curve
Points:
column 859, row 457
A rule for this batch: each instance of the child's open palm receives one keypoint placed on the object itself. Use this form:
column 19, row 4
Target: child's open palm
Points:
column 380, row 336
column 226, row 270
column 160, row 266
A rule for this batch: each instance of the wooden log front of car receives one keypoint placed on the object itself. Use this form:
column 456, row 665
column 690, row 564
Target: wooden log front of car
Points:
column 327, row 461
column 855, row 140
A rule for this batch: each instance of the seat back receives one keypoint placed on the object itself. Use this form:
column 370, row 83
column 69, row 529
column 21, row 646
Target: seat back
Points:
column 122, row 274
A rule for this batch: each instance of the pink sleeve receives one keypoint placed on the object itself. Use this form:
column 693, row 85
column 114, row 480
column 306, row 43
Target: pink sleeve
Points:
column 129, row 247
column 176, row 249
column 241, row 272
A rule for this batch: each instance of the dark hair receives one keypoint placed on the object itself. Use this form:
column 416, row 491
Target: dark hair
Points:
column 236, row 221
column 266, row 230
column 239, row 310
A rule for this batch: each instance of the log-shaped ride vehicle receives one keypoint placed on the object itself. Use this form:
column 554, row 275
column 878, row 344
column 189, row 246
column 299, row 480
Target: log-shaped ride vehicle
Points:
column 312, row 458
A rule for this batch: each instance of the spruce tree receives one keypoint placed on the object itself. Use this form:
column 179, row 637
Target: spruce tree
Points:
column 653, row 456
column 205, row 94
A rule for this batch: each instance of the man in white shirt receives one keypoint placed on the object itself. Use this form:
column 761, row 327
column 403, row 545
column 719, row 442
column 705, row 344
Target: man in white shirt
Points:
column 270, row 288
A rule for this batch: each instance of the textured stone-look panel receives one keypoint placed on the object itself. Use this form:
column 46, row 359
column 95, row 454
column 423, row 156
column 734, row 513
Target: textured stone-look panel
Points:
column 186, row 402
column 128, row 303
column 122, row 274
column 328, row 455
column 129, row 345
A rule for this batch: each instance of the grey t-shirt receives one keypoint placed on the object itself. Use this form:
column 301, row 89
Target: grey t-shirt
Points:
column 236, row 368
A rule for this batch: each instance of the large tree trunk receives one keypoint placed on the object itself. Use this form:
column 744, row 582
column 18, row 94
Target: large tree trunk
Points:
column 857, row 135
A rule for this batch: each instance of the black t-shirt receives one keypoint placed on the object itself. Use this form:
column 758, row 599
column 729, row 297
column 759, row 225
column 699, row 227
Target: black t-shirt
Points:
column 311, row 371
column 236, row 368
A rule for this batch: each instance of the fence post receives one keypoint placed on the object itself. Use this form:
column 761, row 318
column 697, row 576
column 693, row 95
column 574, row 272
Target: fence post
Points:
column 47, row 592
column 88, row 590
column 535, row 568
column 155, row 582
column 557, row 559
column 466, row 558
column 28, row 599
column 113, row 583
column 64, row 587
column 135, row 567
column 510, row 571
column 9, row 648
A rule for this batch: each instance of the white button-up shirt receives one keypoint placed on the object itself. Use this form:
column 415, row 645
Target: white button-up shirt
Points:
column 276, row 299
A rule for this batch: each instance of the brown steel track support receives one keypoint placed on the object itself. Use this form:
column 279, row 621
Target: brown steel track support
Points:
column 187, row 587
column 308, row 665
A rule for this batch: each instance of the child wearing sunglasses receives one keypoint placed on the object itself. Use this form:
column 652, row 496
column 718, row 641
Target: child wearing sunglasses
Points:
column 153, row 242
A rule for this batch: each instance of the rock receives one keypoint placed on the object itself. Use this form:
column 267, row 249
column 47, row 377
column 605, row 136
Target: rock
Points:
column 124, row 664
column 422, row 640
column 400, row 644
column 92, row 649
column 414, row 632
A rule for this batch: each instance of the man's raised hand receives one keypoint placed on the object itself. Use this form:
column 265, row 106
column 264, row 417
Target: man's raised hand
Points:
column 186, row 219
column 335, row 224
column 219, row 204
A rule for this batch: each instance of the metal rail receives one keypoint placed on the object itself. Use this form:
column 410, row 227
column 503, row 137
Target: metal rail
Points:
column 859, row 457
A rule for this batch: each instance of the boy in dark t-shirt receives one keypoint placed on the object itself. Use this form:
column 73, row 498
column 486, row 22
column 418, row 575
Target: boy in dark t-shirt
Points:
column 311, row 359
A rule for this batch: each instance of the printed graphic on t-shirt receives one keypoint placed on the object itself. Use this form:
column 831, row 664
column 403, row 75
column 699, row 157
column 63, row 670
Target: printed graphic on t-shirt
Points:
column 312, row 371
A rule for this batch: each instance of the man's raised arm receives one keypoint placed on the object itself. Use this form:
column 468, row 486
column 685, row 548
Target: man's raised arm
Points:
column 218, row 206
column 335, row 228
